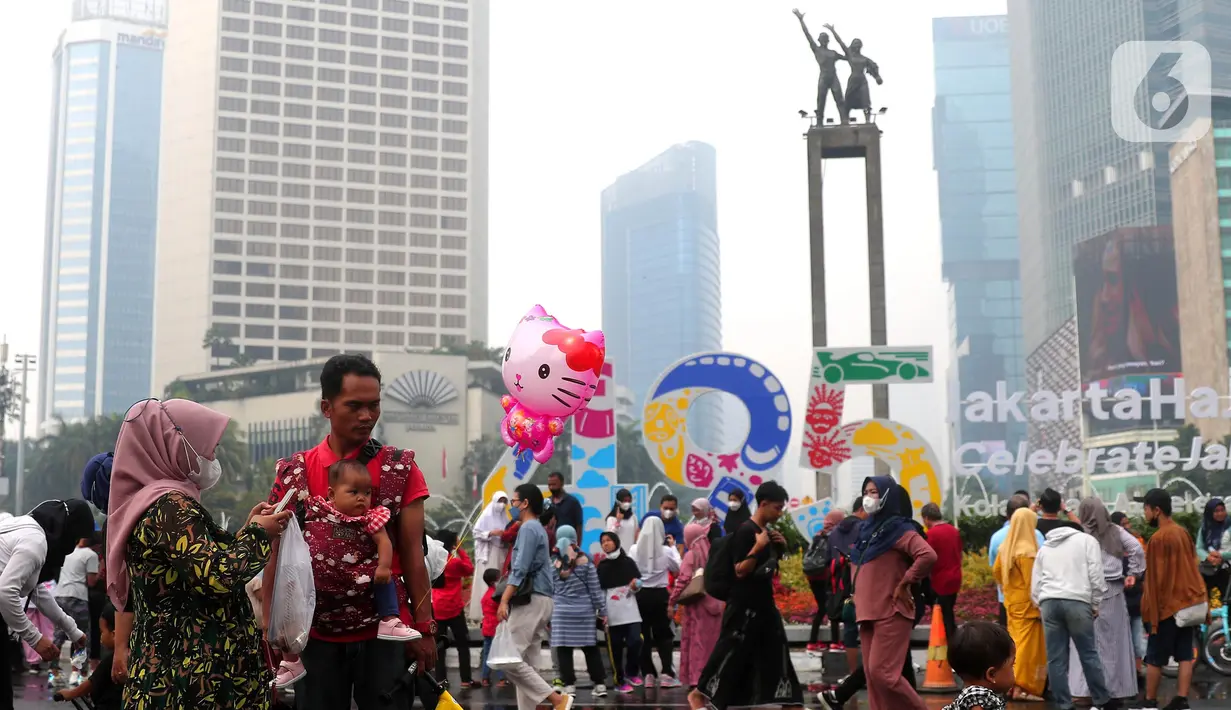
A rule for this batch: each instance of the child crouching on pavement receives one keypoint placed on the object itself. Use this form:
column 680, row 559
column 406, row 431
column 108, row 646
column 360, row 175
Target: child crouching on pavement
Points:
column 490, row 622
column 102, row 691
column 982, row 655
column 349, row 507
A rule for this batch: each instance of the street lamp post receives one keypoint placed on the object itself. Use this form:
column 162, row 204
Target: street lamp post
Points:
column 26, row 363
column 4, row 413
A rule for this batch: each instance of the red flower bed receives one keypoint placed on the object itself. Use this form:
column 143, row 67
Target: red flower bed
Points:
column 977, row 605
column 797, row 606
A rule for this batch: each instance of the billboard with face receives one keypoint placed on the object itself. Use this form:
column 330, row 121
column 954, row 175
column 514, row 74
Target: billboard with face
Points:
column 1127, row 309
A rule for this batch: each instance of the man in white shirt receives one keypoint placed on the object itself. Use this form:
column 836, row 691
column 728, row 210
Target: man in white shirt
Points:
column 79, row 573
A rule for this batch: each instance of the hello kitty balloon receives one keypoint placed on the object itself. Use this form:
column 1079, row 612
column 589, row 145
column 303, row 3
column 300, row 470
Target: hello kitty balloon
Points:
column 551, row 372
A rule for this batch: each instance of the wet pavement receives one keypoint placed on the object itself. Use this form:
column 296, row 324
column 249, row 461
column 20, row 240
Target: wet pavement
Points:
column 1209, row 691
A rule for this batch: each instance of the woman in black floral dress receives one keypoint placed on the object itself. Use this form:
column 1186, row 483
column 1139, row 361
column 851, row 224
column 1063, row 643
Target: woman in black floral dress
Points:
column 195, row 642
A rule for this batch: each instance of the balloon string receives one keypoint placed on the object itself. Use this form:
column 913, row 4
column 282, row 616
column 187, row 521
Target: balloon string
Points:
column 470, row 523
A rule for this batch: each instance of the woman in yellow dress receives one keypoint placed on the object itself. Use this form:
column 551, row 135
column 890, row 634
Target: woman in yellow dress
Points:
column 1014, row 573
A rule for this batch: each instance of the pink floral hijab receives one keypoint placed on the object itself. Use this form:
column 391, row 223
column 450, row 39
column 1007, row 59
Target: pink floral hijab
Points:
column 153, row 457
column 696, row 537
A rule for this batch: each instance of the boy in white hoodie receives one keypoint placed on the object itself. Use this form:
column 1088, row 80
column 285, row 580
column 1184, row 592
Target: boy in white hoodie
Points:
column 1068, row 585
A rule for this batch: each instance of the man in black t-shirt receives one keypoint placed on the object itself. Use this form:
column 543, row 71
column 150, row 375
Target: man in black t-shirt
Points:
column 1052, row 513
column 751, row 664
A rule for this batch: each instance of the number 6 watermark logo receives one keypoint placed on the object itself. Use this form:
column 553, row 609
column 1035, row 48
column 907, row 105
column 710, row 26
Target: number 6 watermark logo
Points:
column 1160, row 91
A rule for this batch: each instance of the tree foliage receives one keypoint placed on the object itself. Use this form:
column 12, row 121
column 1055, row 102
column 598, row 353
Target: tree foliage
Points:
column 482, row 455
column 475, row 350
column 1208, row 480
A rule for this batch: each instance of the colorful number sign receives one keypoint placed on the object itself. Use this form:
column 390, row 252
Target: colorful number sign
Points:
column 683, row 460
column 827, row 442
column 594, row 459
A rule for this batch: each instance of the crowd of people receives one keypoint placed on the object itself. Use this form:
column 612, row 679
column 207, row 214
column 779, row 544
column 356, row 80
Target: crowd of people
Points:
column 179, row 609
column 1088, row 609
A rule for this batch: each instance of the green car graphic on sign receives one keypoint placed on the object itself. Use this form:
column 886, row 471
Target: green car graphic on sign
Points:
column 869, row 366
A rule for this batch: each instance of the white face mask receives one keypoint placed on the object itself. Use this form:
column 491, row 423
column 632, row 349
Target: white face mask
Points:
column 668, row 514
column 626, row 506
column 733, row 505
column 208, row 473
column 500, row 507
column 613, row 555
column 871, row 505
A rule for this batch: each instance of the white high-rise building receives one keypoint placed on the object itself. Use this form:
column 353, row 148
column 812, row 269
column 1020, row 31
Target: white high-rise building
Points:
column 323, row 184
column 98, row 289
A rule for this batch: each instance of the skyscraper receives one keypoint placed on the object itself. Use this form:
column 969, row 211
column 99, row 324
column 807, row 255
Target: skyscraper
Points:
column 1076, row 178
column 326, row 186
column 662, row 295
column 973, row 158
column 98, row 288
column 1078, row 182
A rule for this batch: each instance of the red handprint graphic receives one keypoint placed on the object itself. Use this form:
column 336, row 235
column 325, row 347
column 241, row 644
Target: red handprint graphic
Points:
column 824, row 409
column 826, row 451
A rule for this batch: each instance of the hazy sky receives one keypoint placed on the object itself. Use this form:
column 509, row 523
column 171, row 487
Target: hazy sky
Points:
column 582, row 92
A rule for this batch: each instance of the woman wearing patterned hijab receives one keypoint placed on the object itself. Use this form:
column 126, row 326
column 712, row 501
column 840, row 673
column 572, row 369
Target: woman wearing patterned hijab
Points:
column 179, row 576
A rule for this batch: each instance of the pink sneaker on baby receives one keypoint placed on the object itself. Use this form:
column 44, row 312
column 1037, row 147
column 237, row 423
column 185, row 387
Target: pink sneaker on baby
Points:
column 289, row 673
column 395, row 630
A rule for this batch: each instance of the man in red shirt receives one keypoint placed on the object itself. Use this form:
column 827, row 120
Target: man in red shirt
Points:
column 947, row 572
column 355, row 664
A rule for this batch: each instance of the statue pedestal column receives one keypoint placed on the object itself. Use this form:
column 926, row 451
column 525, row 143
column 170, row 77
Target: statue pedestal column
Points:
column 857, row 141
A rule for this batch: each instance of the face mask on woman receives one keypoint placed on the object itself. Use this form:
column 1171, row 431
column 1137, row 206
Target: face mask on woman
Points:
column 209, row 473
column 871, row 505
column 626, row 506
column 500, row 507
column 733, row 505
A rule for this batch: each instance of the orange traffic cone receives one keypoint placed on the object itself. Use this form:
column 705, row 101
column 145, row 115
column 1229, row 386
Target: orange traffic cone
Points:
column 939, row 678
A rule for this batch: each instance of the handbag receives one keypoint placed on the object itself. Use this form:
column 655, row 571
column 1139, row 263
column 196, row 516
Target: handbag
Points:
column 522, row 596
column 1194, row 615
column 694, row 591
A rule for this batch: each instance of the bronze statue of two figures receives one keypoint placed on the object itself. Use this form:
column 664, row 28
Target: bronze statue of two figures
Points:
column 857, row 97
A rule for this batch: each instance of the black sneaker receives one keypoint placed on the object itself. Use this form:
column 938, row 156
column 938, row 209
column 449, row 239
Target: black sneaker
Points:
column 1113, row 704
column 1179, row 702
column 829, row 700
column 1145, row 704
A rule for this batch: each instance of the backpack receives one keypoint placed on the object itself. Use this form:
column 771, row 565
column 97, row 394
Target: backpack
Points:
column 720, row 569
column 840, row 584
column 816, row 561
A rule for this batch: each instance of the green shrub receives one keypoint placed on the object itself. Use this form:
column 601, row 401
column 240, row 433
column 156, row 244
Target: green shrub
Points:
column 976, row 572
column 977, row 530
column 791, row 573
column 1190, row 521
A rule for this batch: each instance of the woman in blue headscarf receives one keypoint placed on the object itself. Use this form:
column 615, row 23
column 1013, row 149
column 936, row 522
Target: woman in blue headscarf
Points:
column 579, row 602
column 96, row 480
column 1214, row 547
column 891, row 556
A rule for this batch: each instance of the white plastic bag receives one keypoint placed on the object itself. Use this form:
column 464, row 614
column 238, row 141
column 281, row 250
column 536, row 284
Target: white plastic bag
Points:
column 437, row 556
column 504, row 653
column 294, row 602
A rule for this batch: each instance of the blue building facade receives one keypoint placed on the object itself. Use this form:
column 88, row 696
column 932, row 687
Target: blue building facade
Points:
column 973, row 158
column 662, row 294
column 102, row 210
